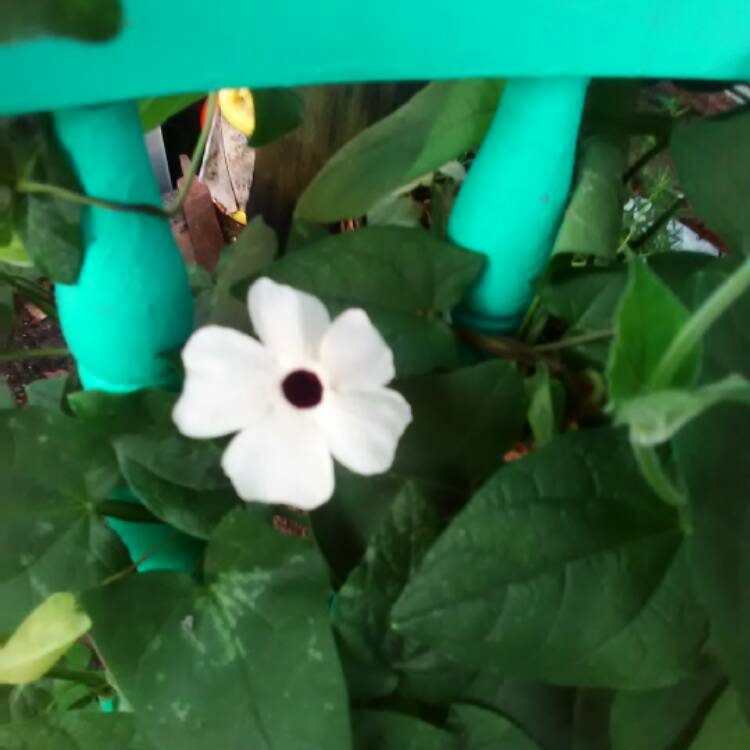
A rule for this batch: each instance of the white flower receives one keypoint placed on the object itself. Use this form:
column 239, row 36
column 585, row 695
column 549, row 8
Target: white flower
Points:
column 309, row 391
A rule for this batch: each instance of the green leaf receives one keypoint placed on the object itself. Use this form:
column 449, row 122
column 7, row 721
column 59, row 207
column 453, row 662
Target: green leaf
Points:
column 725, row 727
column 378, row 657
column 77, row 730
column 51, row 540
column 546, row 405
column 277, row 112
column 384, row 730
column 178, row 480
column 406, row 279
column 114, row 414
column 545, row 712
column 7, row 315
column 593, row 220
column 649, row 316
column 156, row 110
column 436, row 125
column 712, row 455
column 14, row 252
column 28, row 702
column 712, row 159
column 90, row 20
column 656, row 417
column 504, row 586
column 50, row 228
column 726, row 345
column 257, row 622
column 246, row 258
column 395, row 210
column 52, row 236
column 6, row 216
column 663, row 719
column 479, row 729
column 463, row 423
column 48, row 393
column 6, row 396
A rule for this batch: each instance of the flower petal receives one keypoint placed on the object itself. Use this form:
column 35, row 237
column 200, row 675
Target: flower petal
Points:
column 289, row 322
column 354, row 355
column 229, row 381
column 281, row 459
column 362, row 428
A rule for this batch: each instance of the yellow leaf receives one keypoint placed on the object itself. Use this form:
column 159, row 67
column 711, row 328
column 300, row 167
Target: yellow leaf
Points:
column 41, row 639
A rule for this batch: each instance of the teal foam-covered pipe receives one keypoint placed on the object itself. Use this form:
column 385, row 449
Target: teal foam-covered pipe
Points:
column 514, row 196
column 132, row 300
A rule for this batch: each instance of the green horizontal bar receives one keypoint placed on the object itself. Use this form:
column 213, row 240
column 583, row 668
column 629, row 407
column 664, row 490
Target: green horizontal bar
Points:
column 179, row 46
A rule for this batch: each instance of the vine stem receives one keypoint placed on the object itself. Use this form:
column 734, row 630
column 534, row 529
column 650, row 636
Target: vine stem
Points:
column 697, row 325
column 654, row 474
column 658, row 223
column 22, row 354
column 586, row 338
column 149, row 553
column 82, row 677
column 197, row 155
column 71, row 196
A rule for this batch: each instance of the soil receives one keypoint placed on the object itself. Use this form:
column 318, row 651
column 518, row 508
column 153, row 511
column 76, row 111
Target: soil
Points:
column 33, row 330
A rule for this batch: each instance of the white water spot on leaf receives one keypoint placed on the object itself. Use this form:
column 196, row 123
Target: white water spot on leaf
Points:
column 187, row 622
column 314, row 653
column 297, row 559
column 44, row 527
column 181, row 711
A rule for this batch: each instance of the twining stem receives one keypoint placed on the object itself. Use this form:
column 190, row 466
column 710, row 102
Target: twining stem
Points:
column 641, row 162
column 95, row 680
column 133, row 512
column 654, row 474
column 32, row 292
column 133, row 567
column 22, row 354
column 71, row 196
column 585, row 338
column 178, row 205
column 658, row 223
column 697, row 325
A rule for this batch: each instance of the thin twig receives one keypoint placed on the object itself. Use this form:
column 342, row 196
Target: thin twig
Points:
column 22, row 354
column 641, row 162
column 71, row 196
column 200, row 147
column 659, row 222
column 133, row 567
column 41, row 188
column 95, row 680
column 585, row 338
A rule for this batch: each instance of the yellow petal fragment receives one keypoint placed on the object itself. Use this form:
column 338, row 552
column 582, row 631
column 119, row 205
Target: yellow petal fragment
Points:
column 238, row 109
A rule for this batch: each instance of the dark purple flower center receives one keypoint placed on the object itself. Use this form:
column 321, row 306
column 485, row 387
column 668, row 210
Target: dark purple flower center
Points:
column 302, row 389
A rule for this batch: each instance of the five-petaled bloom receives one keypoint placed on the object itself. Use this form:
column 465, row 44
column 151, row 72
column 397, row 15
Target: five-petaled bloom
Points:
column 309, row 391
